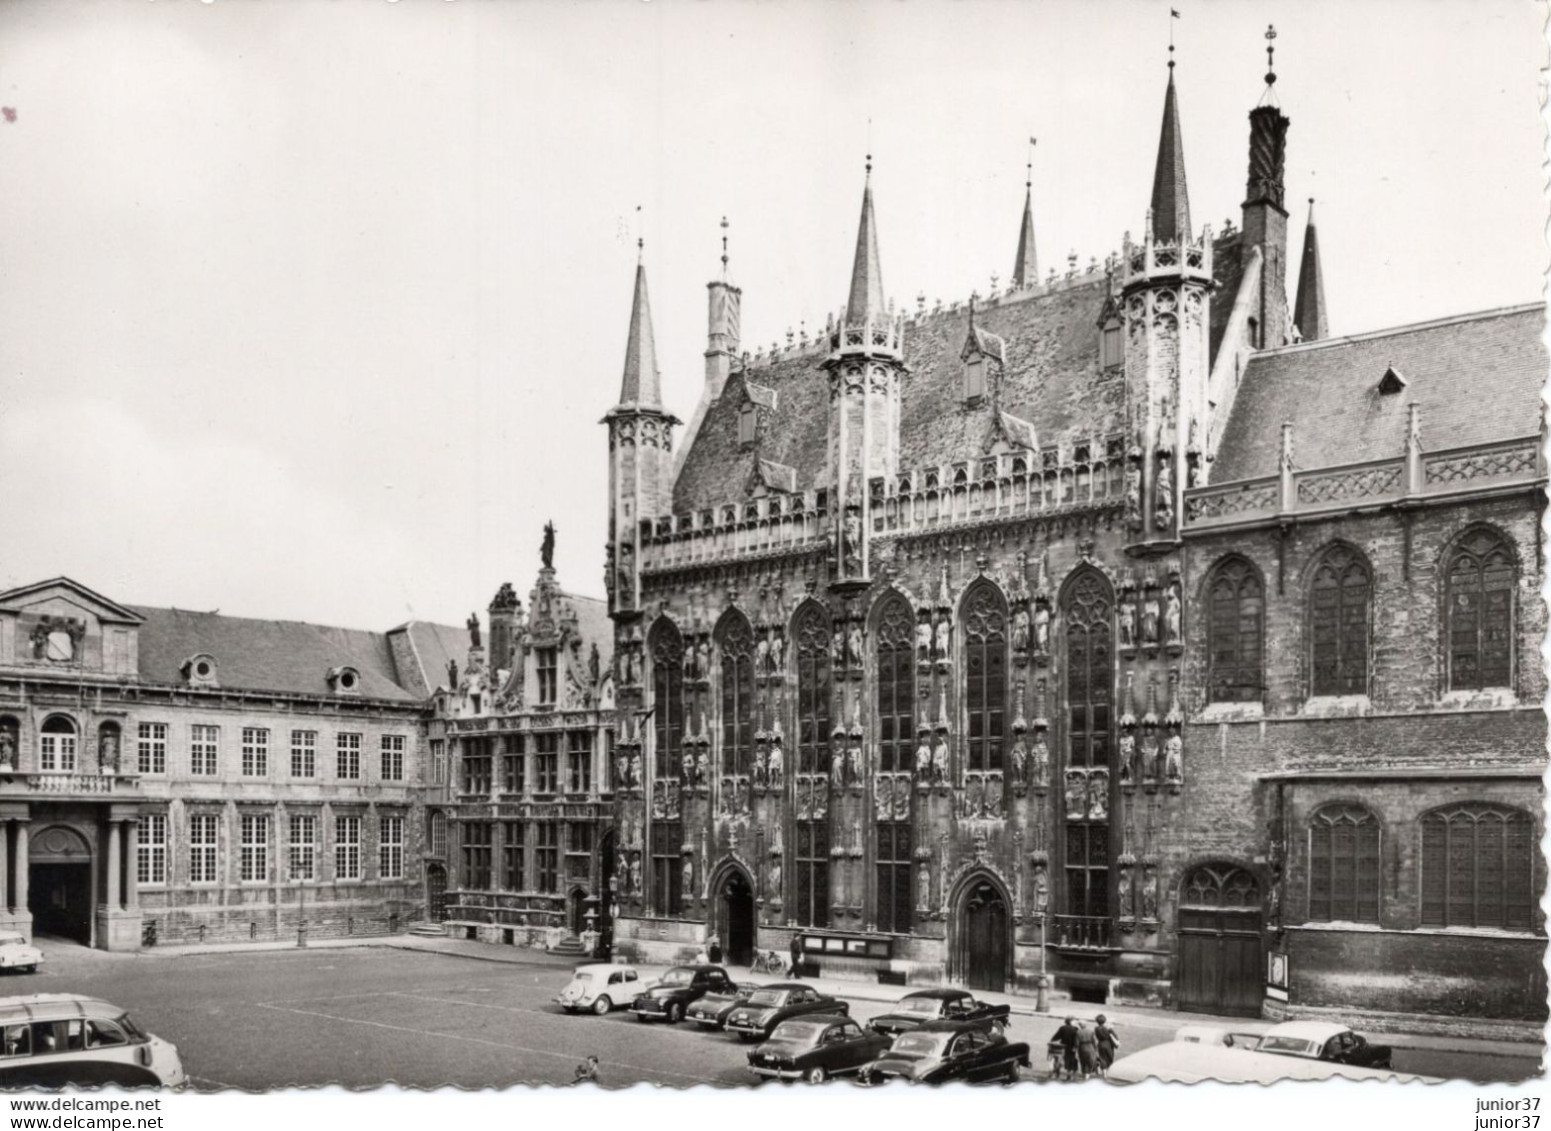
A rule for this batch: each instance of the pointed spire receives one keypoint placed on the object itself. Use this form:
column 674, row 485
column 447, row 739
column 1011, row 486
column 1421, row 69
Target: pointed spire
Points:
column 1309, row 313
column 866, row 275
column 1025, row 271
column 640, row 385
column 1170, row 199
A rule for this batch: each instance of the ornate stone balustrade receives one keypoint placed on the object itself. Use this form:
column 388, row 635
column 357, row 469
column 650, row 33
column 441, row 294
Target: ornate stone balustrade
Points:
column 1358, row 482
column 1016, row 485
column 75, row 784
column 1082, row 932
column 1145, row 261
column 1510, row 461
column 1247, row 498
column 881, row 333
column 677, row 543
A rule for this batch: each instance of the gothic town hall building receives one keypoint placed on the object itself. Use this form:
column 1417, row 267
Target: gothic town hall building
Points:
column 1120, row 626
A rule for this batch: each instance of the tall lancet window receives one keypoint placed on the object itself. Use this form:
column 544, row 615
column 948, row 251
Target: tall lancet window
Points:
column 895, row 683
column 1480, row 613
column 1090, row 680
column 667, row 696
column 985, row 676
column 735, row 640
column 1338, row 623
column 811, row 634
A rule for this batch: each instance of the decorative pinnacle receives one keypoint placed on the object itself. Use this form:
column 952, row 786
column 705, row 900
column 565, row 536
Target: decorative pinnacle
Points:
column 724, row 248
column 1270, row 54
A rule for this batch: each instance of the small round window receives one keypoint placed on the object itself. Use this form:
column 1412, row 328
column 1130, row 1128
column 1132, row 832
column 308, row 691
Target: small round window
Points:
column 347, row 680
column 202, row 669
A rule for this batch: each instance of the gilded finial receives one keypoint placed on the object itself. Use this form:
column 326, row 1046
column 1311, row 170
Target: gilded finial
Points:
column 1270, row 54
column 1173, row 15
column 724, row 248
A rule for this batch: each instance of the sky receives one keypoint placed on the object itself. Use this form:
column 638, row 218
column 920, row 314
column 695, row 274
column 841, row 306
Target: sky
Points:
column 309, row 310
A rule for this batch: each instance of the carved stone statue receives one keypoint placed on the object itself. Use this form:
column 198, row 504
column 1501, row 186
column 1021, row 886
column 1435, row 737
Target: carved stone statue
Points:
column 473, row 627
column 1150, row 892
column 1133, row 495
column 626, row 574
column 1128, row 767
column 777, row 651
column 923, row 887
column 762, row 656
column 775, row 878
column 924, row 636
column 838, row 652
column 837, row 767
column 702, row 770
column 547, row 547
column 452, row 675
column 635, row 876
column 7, row 747
column 851, row 544
column 923, row 760
column 1020, row 629
column 944, row 627
column 940, row 761
column 775, row 766
column 635, row 769
column 703, row 657
column 1174, row 758
column 1163, row 491
column 1041, row 628
column 688, row 870
column 594, row 665
column 1041, row 763
column 1171, row 625
column 854, row 645
column 1098, row 796
column 759, row 765
column 1149, row 759
column 1020, row 761
column 1150, row 620
column 621, row 770
column 108, row 754
column 1076, row 795
column 854, row 765
column 1127, row 624
column 1041, row 889
column 687, row 767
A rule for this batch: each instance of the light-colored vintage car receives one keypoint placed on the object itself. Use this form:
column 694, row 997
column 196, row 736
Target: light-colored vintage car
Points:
column 1190, row 1062
column 16, row 953
column 599, row 987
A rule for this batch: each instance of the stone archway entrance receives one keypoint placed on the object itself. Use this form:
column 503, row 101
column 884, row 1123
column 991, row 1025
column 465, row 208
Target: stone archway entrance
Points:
column 1220, row 949
column 60, row 884
column 983, row 935
column 734, row 917
column 436, row 893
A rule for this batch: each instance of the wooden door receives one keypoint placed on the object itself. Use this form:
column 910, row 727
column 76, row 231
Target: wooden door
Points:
column 436, row 892
column 1220, row 949
column 985, row 938
column 738, row 940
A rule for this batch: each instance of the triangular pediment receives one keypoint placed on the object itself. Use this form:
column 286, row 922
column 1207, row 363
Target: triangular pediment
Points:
column 62, row 590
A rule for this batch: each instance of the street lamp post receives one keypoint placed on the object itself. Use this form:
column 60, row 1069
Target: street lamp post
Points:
column 301, row 911
column 1042, row 990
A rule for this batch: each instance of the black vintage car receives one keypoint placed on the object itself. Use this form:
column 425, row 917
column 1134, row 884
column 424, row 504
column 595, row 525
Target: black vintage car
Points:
column 1324, row 1040
column 940, row 1051
column 916, row 1009
column 816, row 1047
column 712, row 1011
column 676, row 989
column 768, row 1007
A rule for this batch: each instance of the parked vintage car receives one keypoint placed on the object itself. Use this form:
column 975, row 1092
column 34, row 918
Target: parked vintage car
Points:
column 816, row 1047
column 712, row 1011
column 55, row 1040
column 1190, row 1062
column 16, row 953
column 599, row 987
column 940, row 1051
column 1324, row 1040
column 673, row 993
column 768, row 1007
column 915, row 1009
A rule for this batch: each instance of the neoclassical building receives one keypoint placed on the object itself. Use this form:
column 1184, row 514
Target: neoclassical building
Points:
column 1117, row 625
column 178, row 776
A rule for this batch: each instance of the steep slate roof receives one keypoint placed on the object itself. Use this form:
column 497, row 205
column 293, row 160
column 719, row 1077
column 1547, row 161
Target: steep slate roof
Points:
column 866, row 273
column 1025, row 268
column 266, row 655
column 592, row 618
column 421, row 650
column 1309, row 312
column 1476, row 378
column 1170, row 197
column 640, row 385
column 1227, row 270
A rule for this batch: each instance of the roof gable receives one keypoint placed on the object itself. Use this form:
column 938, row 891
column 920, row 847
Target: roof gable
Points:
column 71, row 592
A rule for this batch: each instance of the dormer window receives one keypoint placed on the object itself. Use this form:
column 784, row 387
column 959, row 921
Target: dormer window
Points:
column 1391, row 383
column 748, row 424
column 201, row 670
column 548, row 674
column 345, row 680
column 974, row 379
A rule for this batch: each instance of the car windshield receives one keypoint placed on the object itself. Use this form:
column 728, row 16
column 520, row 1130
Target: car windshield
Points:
column 743, row 993
column 678, row 976
column 926, row 1005
column 797, row 1032
column 915, row 1045
column 135, row 1032
column 767, row 997
column 8, row 938
column 1292, row 1046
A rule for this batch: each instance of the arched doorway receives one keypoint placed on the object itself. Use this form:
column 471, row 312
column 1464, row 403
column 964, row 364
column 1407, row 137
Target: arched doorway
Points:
column 983, row 935
column 60, row 896
column 734, row 917
column 436, row 892
column 1220, row 951
column 576, row 910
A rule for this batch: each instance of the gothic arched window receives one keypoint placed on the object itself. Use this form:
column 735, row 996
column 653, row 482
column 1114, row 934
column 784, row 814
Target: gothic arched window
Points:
column 1235, row 631
column 984, row 620
column 1090, row 679
column 896, row 682
column 811, row 636
column 667, row 697
column 1344, row 864
column 1478, row 614
column 735, row 639
column 1338, row 623
column 1478, row 867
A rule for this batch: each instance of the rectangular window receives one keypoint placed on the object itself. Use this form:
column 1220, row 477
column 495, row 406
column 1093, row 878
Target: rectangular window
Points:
column 304, row 846
column 153, row 748
column 393, row 757
column 151, row 852
column 438, row 761
column 579, row 762
column 513, row 856
column 812, row 894
column 547, row 673
column 347, row 848
column 304, row 753
column 667, row 880
column 390, row 848
column 204, row 750
column 894, row 904
column 201, row 848
column 476, row 765
column 57, row 751
column 347, row 761
column 253, row 864
column 255, row 752
column 1478, row 867
column 476, row 854
column 547, row 855
column 514, row 766
column 546, row 762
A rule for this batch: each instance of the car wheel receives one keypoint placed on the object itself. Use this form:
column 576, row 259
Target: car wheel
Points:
column 602, row 1005
column 1012, row 1071
column 675, row 1013
column 815, row 1075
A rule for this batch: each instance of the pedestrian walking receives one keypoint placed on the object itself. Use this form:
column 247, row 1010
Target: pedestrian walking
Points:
column 1087, row 1050
column 587, row 1071
column 1108, row 1041
column 1065, row 1042
column 797, row 956
column 714, row 949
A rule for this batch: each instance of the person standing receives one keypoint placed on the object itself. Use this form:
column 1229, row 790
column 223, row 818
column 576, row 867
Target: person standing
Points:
column 797, row 956
column 1066, row 1040
column 714, row 949
column 1108, row 1041
column 1087, row 1050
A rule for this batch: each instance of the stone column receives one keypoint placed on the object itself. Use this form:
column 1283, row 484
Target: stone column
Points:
column 115, row 865
column 132, row 865
column 5, row 866
column 22, row 866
